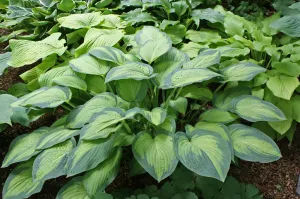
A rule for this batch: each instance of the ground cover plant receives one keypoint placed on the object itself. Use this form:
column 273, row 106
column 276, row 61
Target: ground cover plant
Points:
column 168, row 82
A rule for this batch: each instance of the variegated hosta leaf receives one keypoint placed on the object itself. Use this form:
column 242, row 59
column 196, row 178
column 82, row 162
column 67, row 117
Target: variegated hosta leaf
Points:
column 112, row 21
column 77, row 21
column 218, row 128
column 20, row 184
column 108, row 53
column 223, row 100
column 132, row 90
column 3, row 61
column 27, row 52
column 23, row 147
column 88, row 64
column 55, row 136
column 152, row 43
column 98, row 37
column 218, row 116
column 52, row 162
column 73, row 189
column 156, row 116
column 155, row 154
column 243, row 71
column 204, row 153
column 227, row 51
column 184, row 77
column 253, row 145
column 46, row 79
column 254, row 109
column 88, row 154
column 168, row 125
column 123, row 138
column 82, row 115
column 72, row 81
column 100, row 177
column 208, row 14
column 131, row 70
column 101, row 123
column 6, row 109
column 205, row 59
column 46, row 97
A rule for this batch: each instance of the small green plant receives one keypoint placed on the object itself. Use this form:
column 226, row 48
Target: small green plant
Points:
column 167, row 82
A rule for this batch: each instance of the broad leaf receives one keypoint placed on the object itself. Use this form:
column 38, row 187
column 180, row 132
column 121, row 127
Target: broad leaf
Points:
column 46, row 97
column 254, row 109
column 180, row 104
column 156, row 116
column 243, row 71
column 88, row 154
column 283, row 86
column 184, row 77
column 205, row 59
column 77, row 21
column 137, row 16
column 204, row 153
column 132, row 90
column 208, row 14
column 155, row 154
column 3, row 61
column 73, row 189
column 152, row 43
column 202, row 36
column 131, row 70
column 26, row 52
column 23, row 147
column 288, row 25
column 52, row 162
column 19, row 183
column 108, row 53
column 55, row 136
column 72, row 81
column 66, row 5
column 253, row 145
column 218, row 116
column 6, row 109
column 100, row 177
column 99, row 37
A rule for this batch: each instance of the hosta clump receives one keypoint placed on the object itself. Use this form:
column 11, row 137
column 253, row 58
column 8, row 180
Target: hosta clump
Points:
column 154, row 96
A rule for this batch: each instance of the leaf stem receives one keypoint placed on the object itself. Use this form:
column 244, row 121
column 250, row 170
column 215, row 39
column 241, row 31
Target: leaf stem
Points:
column 126, row 126
column 169, row 98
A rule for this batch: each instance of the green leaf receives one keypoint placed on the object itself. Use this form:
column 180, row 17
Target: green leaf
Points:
column 82, row 115
column 288, row 68
column 205, row 59
column 202, row 36
column 132, row 90
column 252, row 145
column 180, row 104
column 101, row 124
column 3, row 61
column 155, row 154
column 195, row 92
column 187, row 76
column 203, row 152
column 233, row 26
column 152, row 43
column 176, row 33
column 100, row 177
column 66, row 5
column 243, row 71
column 103, row 3
column 108, row 53
column 130, row 70
column 97, row 38
column 26, row 52
column 156, row 116
column 72, row 81
column 180, row 7
column 19, row 183
column 88, row 154
column 208, row 14
column 46, row 97
column 218, row 128
column 253, row 109
column 18, row 90
column 52, row 162
column 227, row 51
column 23, row 147
column 6, row 109
column 192, row 49
column 289, row 25
column 267, row 22
column 218, row 116
column 296, row 107
column 283, row 86
column 223, row 100
column 77, row 21
column 95, row 84
column 169, row 124
column 88, row 64
column 55, row 136
column 73, row 189
column 138, row 16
